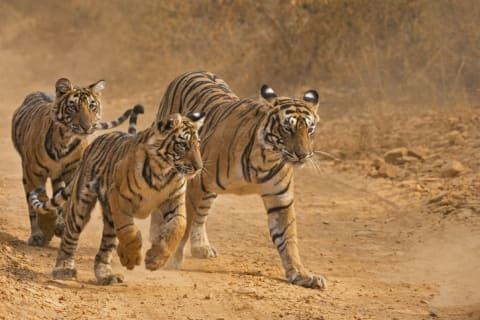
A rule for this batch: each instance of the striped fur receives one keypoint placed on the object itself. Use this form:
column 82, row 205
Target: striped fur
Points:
column 53, row 203
column 62, row 195
column 132, row 176
column 50, row 136
column 249, row 147
column 132, row 124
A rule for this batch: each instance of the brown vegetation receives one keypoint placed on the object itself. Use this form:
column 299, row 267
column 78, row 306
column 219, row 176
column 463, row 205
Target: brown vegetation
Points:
column 356, row 52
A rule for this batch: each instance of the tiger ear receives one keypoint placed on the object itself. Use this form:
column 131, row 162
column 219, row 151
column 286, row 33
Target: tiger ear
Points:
column 311, row 96
column 197, row 119
column 97, row 87
column 62, row 86
column 267, row 94
column 172, row 122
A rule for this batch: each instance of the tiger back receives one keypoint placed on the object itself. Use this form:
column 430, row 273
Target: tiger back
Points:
column 249, row 147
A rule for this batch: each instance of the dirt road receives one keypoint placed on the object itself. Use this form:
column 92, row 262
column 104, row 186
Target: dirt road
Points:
column 385, row 254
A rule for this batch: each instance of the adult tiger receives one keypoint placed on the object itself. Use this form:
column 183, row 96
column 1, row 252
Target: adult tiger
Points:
column 131, row 176
column 249, row 147
column 50, row 136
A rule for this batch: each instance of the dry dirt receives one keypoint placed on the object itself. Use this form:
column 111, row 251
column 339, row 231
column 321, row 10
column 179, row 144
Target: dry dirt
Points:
column 400, row 247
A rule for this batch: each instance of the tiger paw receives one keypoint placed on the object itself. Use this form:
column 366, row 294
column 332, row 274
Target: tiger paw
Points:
column 38, row 240
column 130, row 256
column 154, row 260
column 309, row 281
column 204, row 252
column 110, row 279
column 48, row 224
column 59, row 229
column 64, row 273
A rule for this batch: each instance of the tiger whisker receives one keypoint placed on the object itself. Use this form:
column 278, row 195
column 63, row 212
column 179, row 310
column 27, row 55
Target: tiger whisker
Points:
column 311, row 162
column 206, row 163
column 327, row 155
column 317, row 163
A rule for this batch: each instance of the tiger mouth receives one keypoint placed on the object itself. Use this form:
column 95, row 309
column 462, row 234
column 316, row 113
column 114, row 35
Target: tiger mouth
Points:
column 294, row 159
column 82, row 132
column 297, row 162
column 184, row 169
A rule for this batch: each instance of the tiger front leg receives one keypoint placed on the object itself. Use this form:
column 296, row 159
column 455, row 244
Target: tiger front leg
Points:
column 283, row 230
column 167, row 227
column 129, row 237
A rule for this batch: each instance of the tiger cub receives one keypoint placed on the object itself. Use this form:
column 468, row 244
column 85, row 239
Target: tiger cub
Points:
column 63, row 193
column 250, row 147
column 132, row 177
column 50, row 134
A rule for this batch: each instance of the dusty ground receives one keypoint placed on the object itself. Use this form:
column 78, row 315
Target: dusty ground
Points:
column 400, row 245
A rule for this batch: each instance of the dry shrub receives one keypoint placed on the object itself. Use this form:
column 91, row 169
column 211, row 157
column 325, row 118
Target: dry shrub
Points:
column 357, row 52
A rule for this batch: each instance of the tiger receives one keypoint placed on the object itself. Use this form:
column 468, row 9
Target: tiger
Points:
column 131, row 176
column 248, row 146
column 63, row 193
column 50, row 135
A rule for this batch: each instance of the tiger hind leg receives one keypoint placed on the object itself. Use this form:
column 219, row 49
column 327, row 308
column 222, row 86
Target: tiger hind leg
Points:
column 198, row 212
column 59, row 224
column 103, row 259
column 77, row 216
column 38, row 238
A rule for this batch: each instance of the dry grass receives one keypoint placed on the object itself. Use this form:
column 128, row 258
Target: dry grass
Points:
column 358, row 53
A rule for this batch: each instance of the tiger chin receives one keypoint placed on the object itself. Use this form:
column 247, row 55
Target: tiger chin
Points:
column 250, row 146
column 50, row 135
column 131, row 176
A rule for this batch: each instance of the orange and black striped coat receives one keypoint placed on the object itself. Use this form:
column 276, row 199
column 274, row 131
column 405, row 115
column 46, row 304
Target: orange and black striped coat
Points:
column 248, row 147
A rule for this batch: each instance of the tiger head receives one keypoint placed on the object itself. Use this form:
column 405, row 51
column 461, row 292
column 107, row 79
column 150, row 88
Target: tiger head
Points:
column 78, row 108
column 290, row 124
column 177, row 144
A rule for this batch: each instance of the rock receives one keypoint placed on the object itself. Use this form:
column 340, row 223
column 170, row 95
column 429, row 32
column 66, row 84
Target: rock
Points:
column 381, row 169
column 247, row 291
column 438, row 197
column 452, row 169
column 434, row 314
column 455, row 138
column 410, row 159
column 401, row 155
column 395, row 156
column 465, row 213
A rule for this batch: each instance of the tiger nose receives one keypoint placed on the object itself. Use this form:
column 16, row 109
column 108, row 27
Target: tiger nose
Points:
column 86, row 127
column 197, row 166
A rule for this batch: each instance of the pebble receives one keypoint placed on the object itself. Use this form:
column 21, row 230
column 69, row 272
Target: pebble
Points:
column 452, row 169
